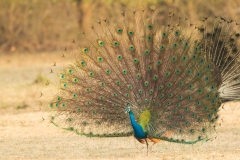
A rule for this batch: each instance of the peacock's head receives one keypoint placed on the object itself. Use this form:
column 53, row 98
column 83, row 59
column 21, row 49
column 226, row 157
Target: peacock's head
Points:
column 128, row 110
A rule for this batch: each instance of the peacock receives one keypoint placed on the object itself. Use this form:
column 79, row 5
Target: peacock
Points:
column 156, row 82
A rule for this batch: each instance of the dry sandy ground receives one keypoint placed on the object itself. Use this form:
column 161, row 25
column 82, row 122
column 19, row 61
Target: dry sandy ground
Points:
column 25, row 132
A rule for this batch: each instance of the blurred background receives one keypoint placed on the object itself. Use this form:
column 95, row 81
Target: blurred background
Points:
column 37, row 26
column 36, row 41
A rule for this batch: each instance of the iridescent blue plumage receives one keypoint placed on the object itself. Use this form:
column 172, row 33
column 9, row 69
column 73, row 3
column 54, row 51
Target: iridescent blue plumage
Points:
column 138, row 130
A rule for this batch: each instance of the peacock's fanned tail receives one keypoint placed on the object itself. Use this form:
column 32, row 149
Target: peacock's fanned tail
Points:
column 180, row 73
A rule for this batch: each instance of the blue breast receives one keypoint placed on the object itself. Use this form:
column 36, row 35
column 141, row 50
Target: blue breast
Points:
column 138, row 130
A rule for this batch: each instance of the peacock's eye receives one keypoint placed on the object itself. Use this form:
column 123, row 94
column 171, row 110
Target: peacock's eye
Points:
column 127, row 109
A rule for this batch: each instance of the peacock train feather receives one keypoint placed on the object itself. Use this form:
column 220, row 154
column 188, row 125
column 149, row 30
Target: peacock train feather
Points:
column 156, row 82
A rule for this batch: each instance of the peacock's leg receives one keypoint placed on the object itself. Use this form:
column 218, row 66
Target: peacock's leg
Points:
column 152, row 145
column 146, row 144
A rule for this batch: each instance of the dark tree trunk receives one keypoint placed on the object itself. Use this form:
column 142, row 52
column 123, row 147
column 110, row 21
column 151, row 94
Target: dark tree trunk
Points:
column 80, row 13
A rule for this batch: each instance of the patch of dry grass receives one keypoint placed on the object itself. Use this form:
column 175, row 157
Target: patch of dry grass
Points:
column 36, row 25
column 18, row 72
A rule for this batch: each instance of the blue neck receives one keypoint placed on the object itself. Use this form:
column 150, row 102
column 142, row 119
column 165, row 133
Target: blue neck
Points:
column 138, row 130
